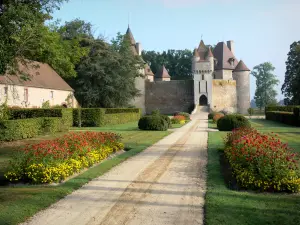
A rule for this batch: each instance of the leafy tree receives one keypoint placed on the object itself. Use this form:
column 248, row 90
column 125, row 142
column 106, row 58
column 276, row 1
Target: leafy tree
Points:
column 21, row 23
column 265, row 93
column 106, row 77
column 178, row 62
column 291, row 86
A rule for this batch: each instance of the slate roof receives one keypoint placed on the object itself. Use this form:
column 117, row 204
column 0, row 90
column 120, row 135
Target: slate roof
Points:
column 210, row 54
column 241, row 67
column 223, row 56
column 162, row 73
column 148, row 70
column 42, row 77
column 196, row 53
column 132, row 41
column 202, row 49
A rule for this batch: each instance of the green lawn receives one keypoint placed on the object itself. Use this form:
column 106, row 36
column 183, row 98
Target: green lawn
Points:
column 212, row 125
column 21, row 202
column 227, row 207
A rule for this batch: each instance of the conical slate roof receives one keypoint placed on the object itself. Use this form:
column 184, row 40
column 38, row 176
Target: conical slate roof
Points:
column 202, row 49
column 162, row 73
column 148, row 70
column 132, row 41
column 130, row 35
column 196, row 53
column 224, row 55
column 210, row 54
column 241, row 67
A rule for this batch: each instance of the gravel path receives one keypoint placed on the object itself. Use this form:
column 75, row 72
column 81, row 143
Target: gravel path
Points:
column 165, row 184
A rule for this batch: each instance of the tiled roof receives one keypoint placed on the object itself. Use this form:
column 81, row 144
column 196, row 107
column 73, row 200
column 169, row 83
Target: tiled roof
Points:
column 42, row 77
column 224, row 56
column 202, row 49
column 196, row 53
column 130, row 35
column 210, row 54
column 162, row 73
column 241, row 67
column 148, row 70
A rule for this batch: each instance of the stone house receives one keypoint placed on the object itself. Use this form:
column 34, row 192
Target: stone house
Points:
column 44, row 85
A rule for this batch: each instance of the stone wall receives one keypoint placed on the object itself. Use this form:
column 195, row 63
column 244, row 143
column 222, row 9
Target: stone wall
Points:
column 224, row 95
column 169, row 96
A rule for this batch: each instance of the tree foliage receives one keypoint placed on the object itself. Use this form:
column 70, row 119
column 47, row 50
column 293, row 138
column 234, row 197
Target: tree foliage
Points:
column 178, row 62
column 21, row 30
column 266, row 81
column 291, row 85
column 106, row 77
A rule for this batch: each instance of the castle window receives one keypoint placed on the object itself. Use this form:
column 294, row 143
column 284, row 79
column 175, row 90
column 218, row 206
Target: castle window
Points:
column 202, row 76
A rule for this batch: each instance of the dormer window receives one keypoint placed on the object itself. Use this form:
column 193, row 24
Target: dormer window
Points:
column 231, row 61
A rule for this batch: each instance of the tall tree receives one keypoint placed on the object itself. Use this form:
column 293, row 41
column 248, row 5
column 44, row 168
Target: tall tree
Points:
column 21, row 23
column 266, row 81
column 291, row 85
column 178, row 62
column 106, row 77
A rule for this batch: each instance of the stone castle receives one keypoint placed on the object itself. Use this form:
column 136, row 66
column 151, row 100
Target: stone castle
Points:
column 220, row 81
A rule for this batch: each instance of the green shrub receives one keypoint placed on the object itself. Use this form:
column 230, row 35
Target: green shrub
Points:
column 231, row 122
column 211, row 115
column 97, row 117
column 15, row 114
column 217, row 116
column 11, row 130
column 153, row 122
column 168, row 120
column 46, row 105
column 155, row 112
column 18, row 129
column 186, row 115
column 283, row 117
column 287, row 108
column 250, row 111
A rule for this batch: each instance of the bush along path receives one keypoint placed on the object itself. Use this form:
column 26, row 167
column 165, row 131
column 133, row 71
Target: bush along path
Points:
column 165, row 184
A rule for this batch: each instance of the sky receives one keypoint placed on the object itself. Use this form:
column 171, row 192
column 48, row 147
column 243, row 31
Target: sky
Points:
column 262, row 30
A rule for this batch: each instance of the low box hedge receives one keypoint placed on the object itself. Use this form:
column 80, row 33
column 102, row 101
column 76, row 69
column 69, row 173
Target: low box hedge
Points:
column 287, row 108
column 17, row 129
column 290, row 118
column 97, row 117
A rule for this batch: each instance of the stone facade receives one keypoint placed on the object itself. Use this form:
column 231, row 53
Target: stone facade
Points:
column 220, row 81
column 224, row 95
column 170, row 96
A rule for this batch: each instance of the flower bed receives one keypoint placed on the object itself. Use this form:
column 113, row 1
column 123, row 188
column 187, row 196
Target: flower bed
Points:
column 55, row 160
column 262, row 162
column 179, row 119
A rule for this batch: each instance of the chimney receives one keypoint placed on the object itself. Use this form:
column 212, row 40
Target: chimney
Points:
column 139, row 48
column 230, row 45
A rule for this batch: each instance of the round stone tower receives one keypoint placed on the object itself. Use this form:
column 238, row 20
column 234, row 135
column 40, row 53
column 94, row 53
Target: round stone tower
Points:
column 242, row 76
column 196, row 58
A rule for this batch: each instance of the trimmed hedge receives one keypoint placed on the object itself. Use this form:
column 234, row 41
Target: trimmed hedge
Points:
column 97, row 117
column 154, row 122
column 15, row 114
column 233, row 121
column 290, row 118
column 287, row 108
column 18, row 129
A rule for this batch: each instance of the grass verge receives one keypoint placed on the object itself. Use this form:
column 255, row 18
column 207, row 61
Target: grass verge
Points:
column 21, row 202
column 226, row 207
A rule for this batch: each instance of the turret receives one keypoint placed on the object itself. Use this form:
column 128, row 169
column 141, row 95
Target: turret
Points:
column 196, row 58
column 241, row 74
column 210, row 58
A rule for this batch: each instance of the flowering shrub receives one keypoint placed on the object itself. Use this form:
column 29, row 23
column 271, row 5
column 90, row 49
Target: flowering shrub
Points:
column 262, row 162
column 178, row 119
column 55, row 160
column 217, row 116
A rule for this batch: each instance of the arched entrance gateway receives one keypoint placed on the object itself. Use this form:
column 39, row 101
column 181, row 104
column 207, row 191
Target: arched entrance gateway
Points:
column 203, row 100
